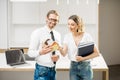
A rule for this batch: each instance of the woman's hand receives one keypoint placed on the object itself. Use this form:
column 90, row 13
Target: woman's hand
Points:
column 79, row 58
column 55, row 46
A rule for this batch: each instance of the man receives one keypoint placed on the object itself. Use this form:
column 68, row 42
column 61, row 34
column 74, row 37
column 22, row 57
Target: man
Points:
column 45, row 59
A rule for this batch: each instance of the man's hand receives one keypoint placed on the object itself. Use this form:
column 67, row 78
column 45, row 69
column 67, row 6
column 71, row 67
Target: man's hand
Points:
column 45, row 49
column 55, row 58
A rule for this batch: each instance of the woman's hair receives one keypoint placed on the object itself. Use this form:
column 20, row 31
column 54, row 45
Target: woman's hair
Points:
column 79, row 22
column 52, row 12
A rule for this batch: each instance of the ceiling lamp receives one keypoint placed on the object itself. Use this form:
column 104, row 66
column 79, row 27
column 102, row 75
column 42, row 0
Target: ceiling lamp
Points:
column 57, row 2
column 98, row 1
column 87, row 2
column 28, row 0
column 77, row 2
column 67, row 1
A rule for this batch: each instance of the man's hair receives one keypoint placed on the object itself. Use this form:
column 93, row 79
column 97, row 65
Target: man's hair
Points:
column 52, row 12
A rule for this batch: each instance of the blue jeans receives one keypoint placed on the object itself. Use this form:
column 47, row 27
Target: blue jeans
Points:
column 81, row 71
column 44, row 73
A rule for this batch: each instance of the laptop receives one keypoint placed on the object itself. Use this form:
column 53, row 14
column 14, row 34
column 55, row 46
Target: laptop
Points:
column 15, row 57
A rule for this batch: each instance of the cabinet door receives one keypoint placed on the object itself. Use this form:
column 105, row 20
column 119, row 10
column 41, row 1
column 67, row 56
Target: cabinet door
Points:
column 44, row 8
column 61, row 8
column 87, row 11
column 25, row 13
column 27, row 16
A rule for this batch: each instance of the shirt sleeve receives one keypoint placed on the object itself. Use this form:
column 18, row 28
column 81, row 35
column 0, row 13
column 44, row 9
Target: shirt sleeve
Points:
column 33, row 50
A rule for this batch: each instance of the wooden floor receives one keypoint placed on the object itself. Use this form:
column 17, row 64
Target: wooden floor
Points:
column 114, row 72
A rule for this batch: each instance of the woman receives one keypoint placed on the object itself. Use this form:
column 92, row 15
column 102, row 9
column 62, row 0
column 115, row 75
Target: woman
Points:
column 80, row 68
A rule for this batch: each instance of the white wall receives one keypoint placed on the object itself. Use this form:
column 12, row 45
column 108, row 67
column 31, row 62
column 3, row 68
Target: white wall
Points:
column 3, row 24
column 109, row 30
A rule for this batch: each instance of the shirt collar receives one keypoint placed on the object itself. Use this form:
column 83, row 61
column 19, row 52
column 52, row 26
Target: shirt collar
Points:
column 48, row 29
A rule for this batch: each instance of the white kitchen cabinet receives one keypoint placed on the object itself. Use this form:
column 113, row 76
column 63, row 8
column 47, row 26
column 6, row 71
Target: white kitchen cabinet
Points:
column 27, row 16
